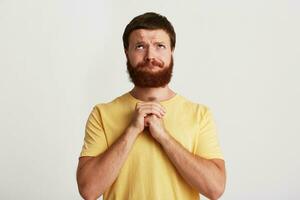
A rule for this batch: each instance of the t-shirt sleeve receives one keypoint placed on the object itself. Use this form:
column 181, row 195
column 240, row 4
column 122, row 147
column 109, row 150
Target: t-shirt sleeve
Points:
column 207, row 143
column 94, row 140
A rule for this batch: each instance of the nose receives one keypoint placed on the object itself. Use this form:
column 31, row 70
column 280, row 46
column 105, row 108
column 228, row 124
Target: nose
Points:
column 150, row 54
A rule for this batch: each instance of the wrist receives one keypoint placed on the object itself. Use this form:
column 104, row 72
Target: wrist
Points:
column 132, row 130
column 163, row 138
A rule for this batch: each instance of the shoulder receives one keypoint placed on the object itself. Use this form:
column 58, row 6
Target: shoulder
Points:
column 116, row 104
column 111, row 102
column 199, row 110
column 198, row 106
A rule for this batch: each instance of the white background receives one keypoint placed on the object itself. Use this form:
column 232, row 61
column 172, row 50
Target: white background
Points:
column 59, row 58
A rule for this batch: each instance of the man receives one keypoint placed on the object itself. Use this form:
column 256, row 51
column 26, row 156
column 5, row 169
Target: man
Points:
column 150, row 143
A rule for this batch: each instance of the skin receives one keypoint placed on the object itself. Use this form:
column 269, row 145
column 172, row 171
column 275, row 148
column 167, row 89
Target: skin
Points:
column 96, row 174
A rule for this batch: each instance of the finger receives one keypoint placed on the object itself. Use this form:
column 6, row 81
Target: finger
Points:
column 153, row 115
column 151, row 103
column 151, row 109
column 146, row 123
column 152, row 106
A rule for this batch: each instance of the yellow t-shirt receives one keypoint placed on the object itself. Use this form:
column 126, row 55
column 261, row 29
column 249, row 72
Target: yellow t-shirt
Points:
column 148, row 173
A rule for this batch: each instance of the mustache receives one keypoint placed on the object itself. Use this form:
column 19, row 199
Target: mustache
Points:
column 151, row 63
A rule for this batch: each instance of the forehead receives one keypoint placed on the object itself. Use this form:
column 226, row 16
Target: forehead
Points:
column 149, row 35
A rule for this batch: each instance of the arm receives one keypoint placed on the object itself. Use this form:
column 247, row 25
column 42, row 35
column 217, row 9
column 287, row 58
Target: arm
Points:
column 207, row 176
column 96, row 174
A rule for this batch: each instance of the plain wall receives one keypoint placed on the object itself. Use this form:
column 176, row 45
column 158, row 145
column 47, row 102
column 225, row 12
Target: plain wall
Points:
column 60, row 58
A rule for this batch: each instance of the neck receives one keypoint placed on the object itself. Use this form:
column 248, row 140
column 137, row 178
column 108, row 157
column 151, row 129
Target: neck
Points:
column 152, row 94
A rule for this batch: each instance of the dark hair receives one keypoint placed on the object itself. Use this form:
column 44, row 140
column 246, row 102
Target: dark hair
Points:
column 151, row 21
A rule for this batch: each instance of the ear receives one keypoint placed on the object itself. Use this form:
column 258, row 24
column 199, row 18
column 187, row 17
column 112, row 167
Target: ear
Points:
column 126, row 53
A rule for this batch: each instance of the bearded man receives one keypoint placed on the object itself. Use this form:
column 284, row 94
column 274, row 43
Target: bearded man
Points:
column 150, row 142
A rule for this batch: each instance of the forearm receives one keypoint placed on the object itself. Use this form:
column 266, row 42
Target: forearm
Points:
column 100, row 172
column 202, row 174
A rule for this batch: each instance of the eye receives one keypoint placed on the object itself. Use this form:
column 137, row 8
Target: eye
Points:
column 161, row 46
column 139, row 46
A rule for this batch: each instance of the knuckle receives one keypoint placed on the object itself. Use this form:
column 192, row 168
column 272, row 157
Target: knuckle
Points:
column 139, row 111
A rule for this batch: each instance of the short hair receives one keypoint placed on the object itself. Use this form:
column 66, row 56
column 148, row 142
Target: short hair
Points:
column 150, row 21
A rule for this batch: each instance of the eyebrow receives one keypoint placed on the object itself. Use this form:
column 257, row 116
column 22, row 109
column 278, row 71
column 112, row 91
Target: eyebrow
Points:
column 139, row 42
column 160, row 42
column 142, row 42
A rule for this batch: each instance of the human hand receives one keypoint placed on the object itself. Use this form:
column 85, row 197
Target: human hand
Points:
column 156, row 127
column 144, row 109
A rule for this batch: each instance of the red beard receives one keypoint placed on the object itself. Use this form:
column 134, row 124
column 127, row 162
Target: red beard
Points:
column 142, row 77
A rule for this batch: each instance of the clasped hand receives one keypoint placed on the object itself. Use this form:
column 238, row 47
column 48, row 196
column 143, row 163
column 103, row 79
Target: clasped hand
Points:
column 150, row 114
